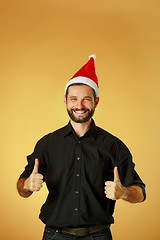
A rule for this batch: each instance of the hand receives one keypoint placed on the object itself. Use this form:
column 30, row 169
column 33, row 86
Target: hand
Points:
column 35, row 180
column 114, row 190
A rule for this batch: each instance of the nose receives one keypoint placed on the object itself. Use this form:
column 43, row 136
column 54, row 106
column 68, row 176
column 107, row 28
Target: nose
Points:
column 80, row 104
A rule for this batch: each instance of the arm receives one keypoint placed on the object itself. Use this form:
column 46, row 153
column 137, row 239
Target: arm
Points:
column 114, row 190
column 132, row 194
column 23, row 192
column 26, row 186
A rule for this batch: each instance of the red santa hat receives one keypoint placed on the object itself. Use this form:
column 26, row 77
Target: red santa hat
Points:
column 86, row 75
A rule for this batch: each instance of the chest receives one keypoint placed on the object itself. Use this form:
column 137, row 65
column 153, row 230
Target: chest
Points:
column 71, row 158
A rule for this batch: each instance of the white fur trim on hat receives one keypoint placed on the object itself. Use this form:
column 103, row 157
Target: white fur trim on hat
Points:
column 84, row 80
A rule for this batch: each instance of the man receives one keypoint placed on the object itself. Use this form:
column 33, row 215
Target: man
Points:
column 86, row 169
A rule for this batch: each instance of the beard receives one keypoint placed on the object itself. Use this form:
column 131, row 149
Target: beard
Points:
column 80, row 119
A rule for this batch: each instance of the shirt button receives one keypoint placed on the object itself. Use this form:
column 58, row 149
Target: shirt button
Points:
column 76, row 192
column 78, row 158
column 77, row 175
column 76, row 209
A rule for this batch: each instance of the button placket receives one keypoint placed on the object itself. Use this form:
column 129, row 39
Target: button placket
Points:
column 77, row 179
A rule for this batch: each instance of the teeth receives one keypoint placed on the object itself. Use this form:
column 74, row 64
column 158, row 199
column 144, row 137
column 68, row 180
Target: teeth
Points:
column 79, row 112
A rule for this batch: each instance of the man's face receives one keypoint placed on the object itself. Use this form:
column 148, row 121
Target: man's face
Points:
column 80, row 103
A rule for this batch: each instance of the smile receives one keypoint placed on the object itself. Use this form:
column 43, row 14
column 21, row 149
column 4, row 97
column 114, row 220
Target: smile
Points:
column 79, row 112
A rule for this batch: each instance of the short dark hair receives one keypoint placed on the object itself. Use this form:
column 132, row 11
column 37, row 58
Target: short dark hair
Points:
column 77, row 84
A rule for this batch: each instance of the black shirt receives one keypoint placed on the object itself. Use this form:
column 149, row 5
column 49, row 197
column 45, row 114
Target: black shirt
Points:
column 75, row 171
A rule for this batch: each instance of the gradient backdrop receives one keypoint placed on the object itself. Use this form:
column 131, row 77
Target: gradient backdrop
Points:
column 42, row 44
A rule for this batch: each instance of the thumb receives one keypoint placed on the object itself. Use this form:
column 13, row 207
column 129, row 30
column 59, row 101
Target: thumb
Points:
column 116, row 175
column 36, row 165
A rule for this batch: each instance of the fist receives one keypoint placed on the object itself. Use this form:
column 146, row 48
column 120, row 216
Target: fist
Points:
column 35, row 180
column 114, row 189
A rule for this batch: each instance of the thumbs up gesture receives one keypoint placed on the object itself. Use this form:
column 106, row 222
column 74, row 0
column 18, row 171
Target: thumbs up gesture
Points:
column 114, row 189
column 35, row 180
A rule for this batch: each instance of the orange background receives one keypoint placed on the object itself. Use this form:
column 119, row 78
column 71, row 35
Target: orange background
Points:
column 42, row 44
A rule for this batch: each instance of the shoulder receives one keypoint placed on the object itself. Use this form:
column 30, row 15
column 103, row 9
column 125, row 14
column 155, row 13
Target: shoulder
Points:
column 113, row 141
column 105, row 135
column 52, row 136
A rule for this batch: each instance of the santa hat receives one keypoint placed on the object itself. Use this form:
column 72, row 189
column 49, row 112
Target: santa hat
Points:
column 86, row 75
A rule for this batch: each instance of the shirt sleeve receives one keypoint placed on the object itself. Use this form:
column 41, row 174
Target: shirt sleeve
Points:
column 39, row 152
column 126, row 168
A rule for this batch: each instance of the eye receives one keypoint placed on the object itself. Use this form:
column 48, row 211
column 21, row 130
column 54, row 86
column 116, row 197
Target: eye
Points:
column 87, row 99
column 73, row 99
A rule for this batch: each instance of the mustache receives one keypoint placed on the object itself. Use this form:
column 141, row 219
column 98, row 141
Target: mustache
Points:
column 80, row 109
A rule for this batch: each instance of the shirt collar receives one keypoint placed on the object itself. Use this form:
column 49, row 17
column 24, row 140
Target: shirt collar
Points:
column 68, row 129
column 93, row 129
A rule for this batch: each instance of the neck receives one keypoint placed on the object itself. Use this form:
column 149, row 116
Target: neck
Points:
column 81, row 128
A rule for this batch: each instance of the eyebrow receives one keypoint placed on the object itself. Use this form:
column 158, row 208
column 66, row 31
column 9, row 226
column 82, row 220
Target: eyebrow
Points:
column 88, row 97
column 72, row 96
column 83, row 97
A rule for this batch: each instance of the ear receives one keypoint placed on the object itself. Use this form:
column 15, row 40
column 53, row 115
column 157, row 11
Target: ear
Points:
column 96, row 102
column 65, row 100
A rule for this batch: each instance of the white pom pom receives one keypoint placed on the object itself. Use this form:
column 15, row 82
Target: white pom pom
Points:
column 92, row 56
